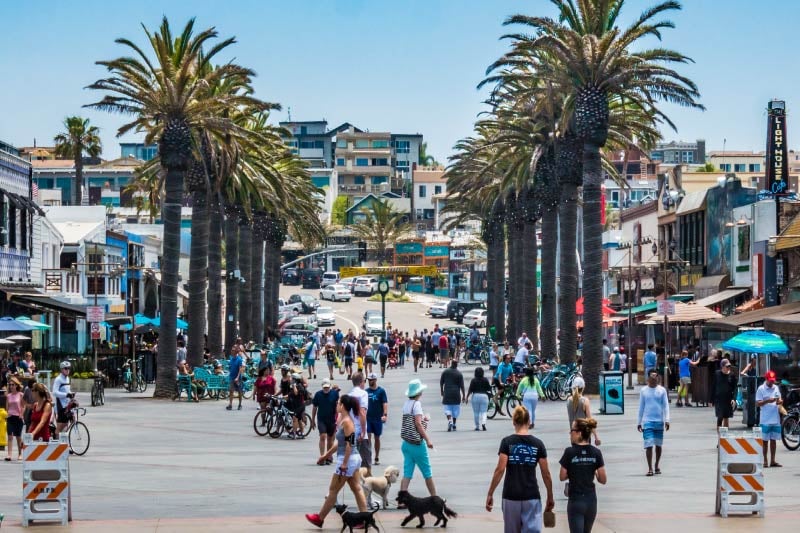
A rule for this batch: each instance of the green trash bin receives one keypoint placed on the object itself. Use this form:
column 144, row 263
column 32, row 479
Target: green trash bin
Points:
column 492, row 333
column 612, row 393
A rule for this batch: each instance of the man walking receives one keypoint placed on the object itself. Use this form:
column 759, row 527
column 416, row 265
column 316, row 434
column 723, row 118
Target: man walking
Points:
column 377, row 412
column 653, row 419
column 323, row 416
column 685, row 375
column 451, row 384
column 607, row 354
column 723, row 393
column 768, row 398
column 235, row 372
column 360, row 421
column 444, row 351
column 650, row 360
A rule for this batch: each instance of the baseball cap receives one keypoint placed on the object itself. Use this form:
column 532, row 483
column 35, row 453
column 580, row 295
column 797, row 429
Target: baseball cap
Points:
column 724, row 363
column 326, row 384
column 771, row 376
column 372, row 376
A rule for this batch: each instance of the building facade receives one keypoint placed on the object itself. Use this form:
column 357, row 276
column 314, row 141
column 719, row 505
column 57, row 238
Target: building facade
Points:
column 677, row 152
column 140, row 151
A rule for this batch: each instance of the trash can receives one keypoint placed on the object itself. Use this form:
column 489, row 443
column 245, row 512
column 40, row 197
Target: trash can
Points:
column 612, row 397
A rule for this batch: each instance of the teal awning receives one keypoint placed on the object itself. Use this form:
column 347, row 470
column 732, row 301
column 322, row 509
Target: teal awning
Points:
column 653, row 306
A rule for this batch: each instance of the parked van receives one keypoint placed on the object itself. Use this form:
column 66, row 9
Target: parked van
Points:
column 312, row 278
column 329, row 278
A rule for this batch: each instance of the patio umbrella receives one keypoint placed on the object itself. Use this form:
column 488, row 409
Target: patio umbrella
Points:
column 18, row 338
column 9, row 324
column 40, row 326
column 182, row 324
column 607, row 310
column 142, row 320
column 684, row 314
column 4, row 341
column 756, row 341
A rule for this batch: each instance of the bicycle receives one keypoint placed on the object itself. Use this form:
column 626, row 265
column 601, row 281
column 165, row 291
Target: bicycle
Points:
column 281, row 421
column 77, row 432
column 474, row 353
column 98, row 390
column 790, row 429
column 133, row 383
column 508, row 397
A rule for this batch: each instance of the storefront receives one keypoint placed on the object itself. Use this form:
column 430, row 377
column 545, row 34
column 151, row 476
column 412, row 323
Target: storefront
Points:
column 437, row 254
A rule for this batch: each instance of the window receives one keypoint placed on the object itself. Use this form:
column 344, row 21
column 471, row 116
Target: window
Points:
column 310, row 144
column 422, row 191
column 340, row 161
column 380, row 144
column 437, row 189
column 725, row 167
column 755, row 167
column 12, row 226
column 403, row 147
column 687, row 157
column 740, row 167
column 3, row 220
column 95, row 262
column 358, row 180
column 303, row 130
column 341, row 143
column 362, row 162
column 657, row 156
column 402, row 164
column 382, row 162
column 95, row 285
column 292, row 143
column 377, row 180
column 362, row 143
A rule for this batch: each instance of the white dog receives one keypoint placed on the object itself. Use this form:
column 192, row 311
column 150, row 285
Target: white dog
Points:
column 379, row 485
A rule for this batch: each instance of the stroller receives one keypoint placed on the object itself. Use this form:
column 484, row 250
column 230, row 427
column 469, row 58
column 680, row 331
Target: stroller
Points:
column 392, row 358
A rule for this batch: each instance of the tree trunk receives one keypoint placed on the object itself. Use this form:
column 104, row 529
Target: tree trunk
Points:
column 246, row 282
column 516, row 255
column 257, row 288
column 76, row 194
column 214, row 342
column 231, row 282
column 272, row 276
column 170, row 260
column 549, row 253
column 198, row 272
column 568, row 272
column 592, row 353
column 529, row 322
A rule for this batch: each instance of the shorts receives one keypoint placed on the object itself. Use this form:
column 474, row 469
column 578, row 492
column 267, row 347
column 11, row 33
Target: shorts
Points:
column 14, row 426
column 365, row 452
column 375, row 426
column 383, row 359
column 326, row 427
column 62, row 415
column 352, row 466
column 331, row 364
column 235, row 386
column 768, row 431
column 496, row 382
column 444, row 353
column 453, row 410
column 686, row 381
column 653, row 434
column 523, row 515
column 348, row 361
column 416, row 455
column 723, row 409
column 415, row 355
column 369, row 360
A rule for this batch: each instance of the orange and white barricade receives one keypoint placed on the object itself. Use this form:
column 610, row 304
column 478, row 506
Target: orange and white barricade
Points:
column 45, row 481
column 740, row 478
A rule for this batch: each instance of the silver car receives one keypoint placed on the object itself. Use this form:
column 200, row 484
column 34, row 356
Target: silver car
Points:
column 325, row 316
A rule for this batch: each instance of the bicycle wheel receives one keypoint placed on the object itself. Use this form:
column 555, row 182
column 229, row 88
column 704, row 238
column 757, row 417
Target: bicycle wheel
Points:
column 247, row 393
column 484, row 357
column 790, row 432
column 511, row 403
column 78, row 438
column 491, row 410
column 260, row 422
column 306, row 424
column 562, row 389
column 468, row 358
column 102, row 395
column 141, row 385
column 95, row 400
column 275, row 426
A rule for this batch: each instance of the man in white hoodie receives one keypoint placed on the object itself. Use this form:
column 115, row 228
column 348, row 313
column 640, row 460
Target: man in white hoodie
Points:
column 653, row 420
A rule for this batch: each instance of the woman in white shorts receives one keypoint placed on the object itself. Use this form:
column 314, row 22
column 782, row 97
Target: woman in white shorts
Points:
column 347, row 462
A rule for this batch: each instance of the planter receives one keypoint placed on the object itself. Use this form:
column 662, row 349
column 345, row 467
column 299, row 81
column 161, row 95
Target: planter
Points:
column 81, row 385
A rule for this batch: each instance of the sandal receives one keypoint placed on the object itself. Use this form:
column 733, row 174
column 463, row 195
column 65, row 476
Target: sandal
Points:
column 766, row 465
column 7, row 459
column 775, row 465
column 658, row 471
column 649, row 473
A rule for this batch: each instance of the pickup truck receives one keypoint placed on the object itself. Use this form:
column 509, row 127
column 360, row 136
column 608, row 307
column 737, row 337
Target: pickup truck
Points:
column 302, row 303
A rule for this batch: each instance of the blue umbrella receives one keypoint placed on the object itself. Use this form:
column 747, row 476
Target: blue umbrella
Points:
column 756, row 341
column 142, row 320
column 7, row 323
column 182, row 324
column 35, row 324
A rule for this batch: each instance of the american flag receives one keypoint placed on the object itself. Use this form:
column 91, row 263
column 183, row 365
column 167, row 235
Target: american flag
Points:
column 35, row 192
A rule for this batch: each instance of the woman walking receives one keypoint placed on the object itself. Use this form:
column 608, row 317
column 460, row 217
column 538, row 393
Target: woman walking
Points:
column 581, row 464
column 415, row 348
column 517, row 459
column 416, row 442
column 578, row 406
column 41, row 413
column 480, row 389
column 530, row 390
column 15, row 407
column 347, row 462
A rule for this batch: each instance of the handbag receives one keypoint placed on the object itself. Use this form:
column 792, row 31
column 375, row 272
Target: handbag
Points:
column 549, row 519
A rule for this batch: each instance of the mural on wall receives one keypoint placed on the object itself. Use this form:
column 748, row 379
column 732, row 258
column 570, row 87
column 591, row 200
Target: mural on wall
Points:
column 720, row 202
column 744, row 243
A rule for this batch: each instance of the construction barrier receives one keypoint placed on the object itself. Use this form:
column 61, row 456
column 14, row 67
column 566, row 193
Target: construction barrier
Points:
column 45, row 481
column 740, row 478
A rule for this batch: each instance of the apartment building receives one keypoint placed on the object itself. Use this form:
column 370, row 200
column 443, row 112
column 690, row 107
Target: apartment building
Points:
column 364, row 163
column 311, row 140
column 677, row 152
column 429, row 184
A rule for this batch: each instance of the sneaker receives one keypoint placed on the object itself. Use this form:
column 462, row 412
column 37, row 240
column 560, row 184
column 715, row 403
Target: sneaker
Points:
column 315, row 519
column 449, row 427
column 454, row 427
column 229, row 408
column 483, row 427
column 239, row 408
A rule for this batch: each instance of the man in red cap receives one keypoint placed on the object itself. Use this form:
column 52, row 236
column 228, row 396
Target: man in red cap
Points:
column 768, row 398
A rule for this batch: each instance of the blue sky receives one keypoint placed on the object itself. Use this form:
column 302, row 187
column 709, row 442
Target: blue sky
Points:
column 405, row 66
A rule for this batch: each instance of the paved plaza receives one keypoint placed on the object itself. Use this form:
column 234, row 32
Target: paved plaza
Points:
column 178, row 466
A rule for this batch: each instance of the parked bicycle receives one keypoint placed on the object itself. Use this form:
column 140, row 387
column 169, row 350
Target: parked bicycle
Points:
column 99, row 390
column 130, row 382
column 790, row 428
column 280, row 420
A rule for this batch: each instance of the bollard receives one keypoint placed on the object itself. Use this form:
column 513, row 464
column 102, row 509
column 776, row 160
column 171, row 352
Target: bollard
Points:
column 739, row 473
column 45, row 481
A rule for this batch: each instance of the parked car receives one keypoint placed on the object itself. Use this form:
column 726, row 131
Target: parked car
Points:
column 475, row 317
column 290, row 276
column 438, row 309
column 335, row 292
column 325, row 316
column 369, row 313
column 348, row 282
column 374, row 325
column 365, row 285
column 310, row 320
column 456, row 309
column 304, row 303
column 329, row 278
column 311, row 278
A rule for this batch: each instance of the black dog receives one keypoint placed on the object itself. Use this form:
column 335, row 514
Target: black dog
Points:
column 417, row 507
column 351, row 520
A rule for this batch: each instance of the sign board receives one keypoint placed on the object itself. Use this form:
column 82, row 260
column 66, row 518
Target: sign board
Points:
column 779, row 272
column 351, row 272
column 665, row 307
column 460, row 254
column 95, row 331
column 95, row 313
column 777, row 171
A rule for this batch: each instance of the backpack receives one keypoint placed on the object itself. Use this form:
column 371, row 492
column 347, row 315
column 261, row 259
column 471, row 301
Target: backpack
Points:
column 348, row 351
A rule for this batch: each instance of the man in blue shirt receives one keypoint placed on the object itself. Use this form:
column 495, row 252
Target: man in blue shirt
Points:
column 650, row 360
column 377, row 410
column 505, row 370
column 323, row 415
column 685, row 375
column 235, row 373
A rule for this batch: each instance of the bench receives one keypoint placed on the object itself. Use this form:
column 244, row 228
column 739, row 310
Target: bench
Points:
column 184, row 385
column 214, row 383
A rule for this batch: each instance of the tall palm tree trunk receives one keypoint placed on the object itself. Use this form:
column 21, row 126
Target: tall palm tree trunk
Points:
column 516, row 257
column 257, row 274
column 272, row 274
column 530, row 297
column 494, row 237
column 198, row 273
column 214, row 342
column 568, row 272
column 592, row 353
column 246, row 282
column 549, row 334
column 231, row 282
column 77, row 194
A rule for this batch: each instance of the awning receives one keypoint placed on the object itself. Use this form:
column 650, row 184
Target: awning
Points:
column 685, row 314
column 709, row 285
column 734, row 322
column 787, row 243
column 694, row 201
column 751, row 305
column 652, row 306
column 720, row 297
column 12, row 291
column 784, row 325
column 46, row 303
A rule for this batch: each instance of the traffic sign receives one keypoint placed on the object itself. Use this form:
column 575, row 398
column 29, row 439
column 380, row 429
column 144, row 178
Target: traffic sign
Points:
column 95, row 313
column 95, row 331
column 666, row 307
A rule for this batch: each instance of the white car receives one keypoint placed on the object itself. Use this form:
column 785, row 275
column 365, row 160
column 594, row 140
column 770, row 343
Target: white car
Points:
column 335, row 292
column 329, row 278
column 309, row 320
column 325, row 316
column 374, row 325
column 475, row 317
column 438, row 309
column 348, row 282
column 365, row 285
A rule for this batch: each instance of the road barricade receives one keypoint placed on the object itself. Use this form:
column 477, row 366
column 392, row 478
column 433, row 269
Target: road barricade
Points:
column 740, row 478
column 45, row 481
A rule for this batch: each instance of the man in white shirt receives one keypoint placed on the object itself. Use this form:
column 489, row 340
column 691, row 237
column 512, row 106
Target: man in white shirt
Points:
column 768, row 398
column 63, row 394
column 521, row 359
column 522, row 340
column 653, row 419
column 360, row 421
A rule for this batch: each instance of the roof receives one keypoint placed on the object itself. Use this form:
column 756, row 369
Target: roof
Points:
column 694, row 201
column 783, row 325
column 784, row 241
column 720, row 297
column 429, row 176
column 74, row 232
column 53, row 163
column 734, row 322
column 652, row 306
column 730, row 153
column 685, row 313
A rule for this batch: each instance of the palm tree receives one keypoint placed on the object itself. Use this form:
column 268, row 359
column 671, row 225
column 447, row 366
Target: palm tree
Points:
column 78, row 139
column 165, row 93
column 257, row 275
column 214, row 292
column 425, row 159
column 380, row 226
column 246, row 281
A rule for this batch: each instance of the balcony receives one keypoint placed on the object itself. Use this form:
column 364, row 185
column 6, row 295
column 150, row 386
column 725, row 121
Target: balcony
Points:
column 62, row 282
column 311, row 153
column 74, row 285
column 357, row 190
column 377, row 170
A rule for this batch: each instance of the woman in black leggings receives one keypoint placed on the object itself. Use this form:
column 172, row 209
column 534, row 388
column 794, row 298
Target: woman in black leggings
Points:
column 580, row 465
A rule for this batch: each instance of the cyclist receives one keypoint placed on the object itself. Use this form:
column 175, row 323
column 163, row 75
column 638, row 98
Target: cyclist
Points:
column 504, row 374
column 474, row 341
column 63, row 394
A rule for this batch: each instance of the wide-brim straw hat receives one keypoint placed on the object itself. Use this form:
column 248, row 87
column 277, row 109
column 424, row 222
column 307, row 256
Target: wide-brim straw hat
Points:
column 415, row 387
